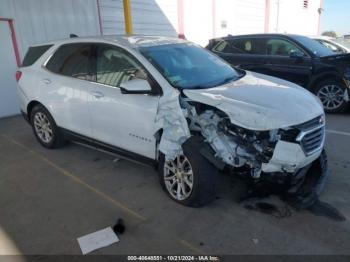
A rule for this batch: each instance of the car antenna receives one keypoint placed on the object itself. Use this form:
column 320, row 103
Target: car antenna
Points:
column 72, row 35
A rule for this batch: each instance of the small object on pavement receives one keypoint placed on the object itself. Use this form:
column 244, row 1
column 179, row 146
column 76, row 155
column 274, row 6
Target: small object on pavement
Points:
column 119, row 227
column 96, row 240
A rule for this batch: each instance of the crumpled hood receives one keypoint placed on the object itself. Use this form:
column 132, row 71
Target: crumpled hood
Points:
column 261, row 102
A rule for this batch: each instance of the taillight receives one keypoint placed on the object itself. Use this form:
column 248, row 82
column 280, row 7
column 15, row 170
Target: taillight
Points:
column 18, row 75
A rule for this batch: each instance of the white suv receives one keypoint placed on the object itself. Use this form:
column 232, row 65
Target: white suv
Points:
column 169, row 102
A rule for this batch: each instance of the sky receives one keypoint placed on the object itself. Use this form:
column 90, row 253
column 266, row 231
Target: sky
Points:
column 336, row 16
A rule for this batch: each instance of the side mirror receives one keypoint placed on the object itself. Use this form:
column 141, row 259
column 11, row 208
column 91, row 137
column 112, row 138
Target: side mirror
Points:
column 136, row 86
column 296, row 54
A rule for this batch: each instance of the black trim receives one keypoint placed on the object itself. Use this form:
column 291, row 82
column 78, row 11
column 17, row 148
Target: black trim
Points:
column 70, row 135
column 139, row 92
column 25, row 116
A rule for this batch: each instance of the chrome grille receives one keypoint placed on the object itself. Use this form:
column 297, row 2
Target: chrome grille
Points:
column 312, row 135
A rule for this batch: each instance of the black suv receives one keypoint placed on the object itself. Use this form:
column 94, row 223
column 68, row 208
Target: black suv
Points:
column 295, row 58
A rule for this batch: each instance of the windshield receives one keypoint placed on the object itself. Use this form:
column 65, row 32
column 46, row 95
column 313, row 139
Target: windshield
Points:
column 188, row 66
column 314, row 46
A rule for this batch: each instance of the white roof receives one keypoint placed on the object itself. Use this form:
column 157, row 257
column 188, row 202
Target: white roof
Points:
column 132, row 41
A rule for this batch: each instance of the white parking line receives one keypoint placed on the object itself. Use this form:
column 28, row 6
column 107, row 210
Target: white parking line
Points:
column 337, row 132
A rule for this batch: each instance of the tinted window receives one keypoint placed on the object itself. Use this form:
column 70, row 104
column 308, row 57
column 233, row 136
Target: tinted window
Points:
column 71, row 60
column 34, row 53
column 313, row 46
column 225, row 46
column 187, row 66
column 115, row 66
column 253, row 46
column 281, row 47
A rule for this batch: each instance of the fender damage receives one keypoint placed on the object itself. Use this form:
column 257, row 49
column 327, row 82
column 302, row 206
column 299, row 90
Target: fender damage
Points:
column 256, row 140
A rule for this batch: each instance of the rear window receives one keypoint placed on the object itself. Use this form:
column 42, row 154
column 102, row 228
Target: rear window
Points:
column 34, row 53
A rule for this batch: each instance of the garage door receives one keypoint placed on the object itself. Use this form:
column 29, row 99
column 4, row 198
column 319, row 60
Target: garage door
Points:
column 8, row 99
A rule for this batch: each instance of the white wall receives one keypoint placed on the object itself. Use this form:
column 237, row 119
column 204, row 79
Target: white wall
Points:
column 198, row 21
column 153, row 17
column 240, row 17
column 293, row 18
column 37, row 21
column 206, row 19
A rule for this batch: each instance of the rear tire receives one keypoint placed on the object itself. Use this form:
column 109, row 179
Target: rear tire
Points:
column 333, row 95
column 45, row 128
column 192, row 173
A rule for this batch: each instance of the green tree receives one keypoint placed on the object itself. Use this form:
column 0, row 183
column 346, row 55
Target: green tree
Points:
column 330, row 34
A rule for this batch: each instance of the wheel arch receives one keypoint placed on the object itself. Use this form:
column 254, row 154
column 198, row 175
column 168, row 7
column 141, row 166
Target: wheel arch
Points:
column 34, row 103
column 30, row 107
column 329, row 75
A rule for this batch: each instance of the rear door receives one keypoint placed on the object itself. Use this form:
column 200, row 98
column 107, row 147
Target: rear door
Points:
column 247, row 52
column 65, row 87
column 281, row 62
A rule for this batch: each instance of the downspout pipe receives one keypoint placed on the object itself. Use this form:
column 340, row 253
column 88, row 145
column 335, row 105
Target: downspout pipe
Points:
column 127, row 17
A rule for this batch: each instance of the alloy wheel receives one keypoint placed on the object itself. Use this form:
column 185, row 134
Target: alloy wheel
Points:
column 331, row 96
column 178, row 177
column 43, row 127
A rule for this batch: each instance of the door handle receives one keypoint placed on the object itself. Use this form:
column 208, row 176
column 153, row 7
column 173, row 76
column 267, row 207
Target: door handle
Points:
column 97, row 94
column 47, row 81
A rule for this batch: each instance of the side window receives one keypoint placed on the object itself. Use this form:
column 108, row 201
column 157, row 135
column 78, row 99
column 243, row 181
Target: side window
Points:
column 252, row 46
column 114, row 66
column 224, row 46
column 281, row 47
column 71, row 60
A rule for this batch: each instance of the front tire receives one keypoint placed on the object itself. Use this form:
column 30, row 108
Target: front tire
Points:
column 45, row 128
column 333, row 95
column 190, row 179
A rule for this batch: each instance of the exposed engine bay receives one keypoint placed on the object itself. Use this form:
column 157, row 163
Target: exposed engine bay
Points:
column 277, row 161
column 235, row 146
column 255, row 150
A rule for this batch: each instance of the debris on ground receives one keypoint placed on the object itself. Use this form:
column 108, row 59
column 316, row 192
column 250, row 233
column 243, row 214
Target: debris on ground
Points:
column 300, row 191
column 270, row 205
column 326, row 210
column 97, row 240
column 255, row 241
column 119, row 227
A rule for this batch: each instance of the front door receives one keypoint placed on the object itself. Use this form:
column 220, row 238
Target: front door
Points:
column 122, row 120
column 282, row 64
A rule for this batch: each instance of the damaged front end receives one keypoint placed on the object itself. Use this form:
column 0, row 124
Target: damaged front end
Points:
column 289, row 162
column 286, row 161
